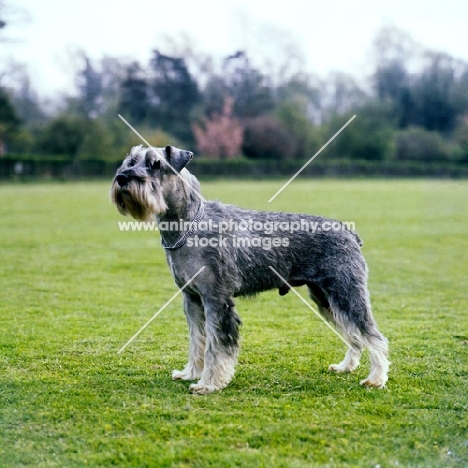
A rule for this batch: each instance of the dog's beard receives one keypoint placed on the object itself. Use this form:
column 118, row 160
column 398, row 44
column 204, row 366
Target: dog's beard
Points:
column 138, row 199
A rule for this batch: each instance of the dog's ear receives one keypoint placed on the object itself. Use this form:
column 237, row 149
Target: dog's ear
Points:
column 178, row 158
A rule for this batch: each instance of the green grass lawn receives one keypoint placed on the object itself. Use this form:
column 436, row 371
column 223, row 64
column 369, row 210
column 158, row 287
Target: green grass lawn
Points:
column 74, row 289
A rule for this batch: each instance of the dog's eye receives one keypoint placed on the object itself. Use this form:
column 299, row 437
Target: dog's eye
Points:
column 132, row 162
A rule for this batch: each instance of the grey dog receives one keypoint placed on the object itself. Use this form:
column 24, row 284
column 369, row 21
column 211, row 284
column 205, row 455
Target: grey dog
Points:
column 238, row 252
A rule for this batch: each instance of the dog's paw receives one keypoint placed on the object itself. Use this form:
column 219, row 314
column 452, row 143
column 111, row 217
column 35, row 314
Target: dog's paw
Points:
column 202, row 389
column 340, row 368
column 183, row 375
column 374, row 382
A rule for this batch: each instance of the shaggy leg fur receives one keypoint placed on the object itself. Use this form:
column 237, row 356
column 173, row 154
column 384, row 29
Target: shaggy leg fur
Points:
column 349, row 308
column 222, row 334
column 377, row 345
column 349, row 363
column 195, row 315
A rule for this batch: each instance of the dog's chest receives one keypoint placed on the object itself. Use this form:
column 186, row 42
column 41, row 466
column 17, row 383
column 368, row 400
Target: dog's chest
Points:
column 178, row 267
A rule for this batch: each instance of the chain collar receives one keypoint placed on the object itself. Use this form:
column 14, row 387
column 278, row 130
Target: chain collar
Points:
column 193, row 225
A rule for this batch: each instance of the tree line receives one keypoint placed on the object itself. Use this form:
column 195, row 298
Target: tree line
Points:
column 412, row 106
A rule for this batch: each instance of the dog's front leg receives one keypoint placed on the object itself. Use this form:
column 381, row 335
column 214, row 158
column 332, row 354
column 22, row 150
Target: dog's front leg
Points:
column 222, row 345
column 195, row 316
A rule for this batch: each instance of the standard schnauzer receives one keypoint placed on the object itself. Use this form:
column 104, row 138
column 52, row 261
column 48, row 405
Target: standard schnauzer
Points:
column 154, row 182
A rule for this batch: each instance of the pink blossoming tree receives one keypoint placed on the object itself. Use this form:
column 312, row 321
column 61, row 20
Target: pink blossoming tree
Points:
column 221, row 135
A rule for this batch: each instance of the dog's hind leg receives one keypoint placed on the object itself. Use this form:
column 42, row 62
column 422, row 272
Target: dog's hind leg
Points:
column 351, row 359
column 377, row 345
column 222, row 336
column 195, row 316
column 352, row 313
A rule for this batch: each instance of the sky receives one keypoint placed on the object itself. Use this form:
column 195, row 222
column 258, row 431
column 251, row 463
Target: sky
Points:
column 326, row 35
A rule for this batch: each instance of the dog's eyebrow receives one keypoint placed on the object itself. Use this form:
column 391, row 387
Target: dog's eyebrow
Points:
column 131, row 160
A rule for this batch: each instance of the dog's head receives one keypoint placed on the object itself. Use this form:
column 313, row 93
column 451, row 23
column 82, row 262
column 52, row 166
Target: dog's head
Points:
column 145, row 175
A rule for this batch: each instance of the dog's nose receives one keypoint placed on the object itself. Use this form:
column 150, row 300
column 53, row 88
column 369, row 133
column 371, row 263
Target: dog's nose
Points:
column 122, row 179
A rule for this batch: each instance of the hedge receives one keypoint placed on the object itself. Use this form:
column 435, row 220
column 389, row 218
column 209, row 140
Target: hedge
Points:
column 24, row 168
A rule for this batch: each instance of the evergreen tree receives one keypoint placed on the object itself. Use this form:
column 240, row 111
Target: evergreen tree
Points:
column 174, row 94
